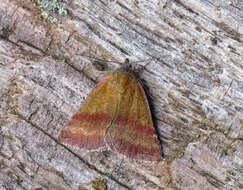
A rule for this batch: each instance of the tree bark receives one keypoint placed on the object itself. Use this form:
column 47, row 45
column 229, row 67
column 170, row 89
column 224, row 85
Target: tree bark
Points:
column 193, row 78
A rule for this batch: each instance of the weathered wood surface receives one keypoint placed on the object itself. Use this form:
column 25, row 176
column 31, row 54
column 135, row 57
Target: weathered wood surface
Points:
column 195, row 82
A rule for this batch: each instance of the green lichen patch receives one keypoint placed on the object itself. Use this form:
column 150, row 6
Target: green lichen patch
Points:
column 18, row 181
column 99, row 184
column 50, row 8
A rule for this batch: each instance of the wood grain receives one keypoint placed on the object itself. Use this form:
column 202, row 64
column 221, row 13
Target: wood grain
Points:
column 194, row 82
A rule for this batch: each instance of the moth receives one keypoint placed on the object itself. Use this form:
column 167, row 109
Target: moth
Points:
column 116, row 114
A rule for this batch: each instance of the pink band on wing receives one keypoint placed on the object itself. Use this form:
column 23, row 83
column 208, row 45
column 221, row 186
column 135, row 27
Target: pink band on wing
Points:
column 106, row 117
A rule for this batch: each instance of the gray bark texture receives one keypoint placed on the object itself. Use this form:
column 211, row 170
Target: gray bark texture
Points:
column 191, row 53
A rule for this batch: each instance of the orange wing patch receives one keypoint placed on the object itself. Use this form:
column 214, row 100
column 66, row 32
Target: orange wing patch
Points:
column 132, row 132
column 87, row 127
